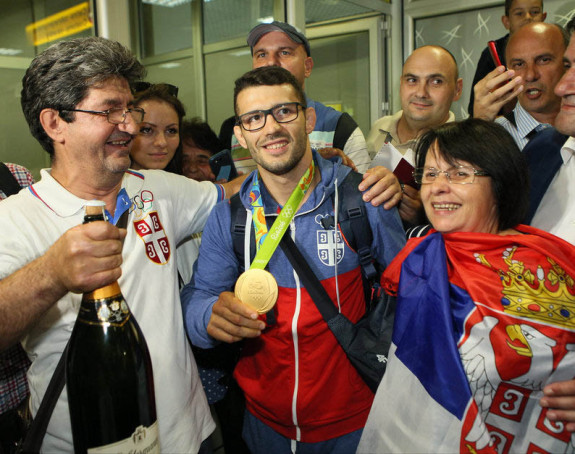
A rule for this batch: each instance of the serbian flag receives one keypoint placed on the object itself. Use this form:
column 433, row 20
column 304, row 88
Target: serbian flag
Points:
column 483, row 323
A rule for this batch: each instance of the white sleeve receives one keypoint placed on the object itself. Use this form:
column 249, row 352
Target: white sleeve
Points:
column 356, row 149
column 189, row 200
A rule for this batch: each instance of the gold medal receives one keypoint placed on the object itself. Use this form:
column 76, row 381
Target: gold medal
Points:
column 258, row 288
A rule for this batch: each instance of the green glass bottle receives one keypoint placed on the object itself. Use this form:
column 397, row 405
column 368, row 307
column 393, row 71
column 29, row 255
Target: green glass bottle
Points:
column 109, row 376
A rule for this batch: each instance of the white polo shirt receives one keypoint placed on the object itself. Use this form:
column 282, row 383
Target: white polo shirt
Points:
column 165, row 208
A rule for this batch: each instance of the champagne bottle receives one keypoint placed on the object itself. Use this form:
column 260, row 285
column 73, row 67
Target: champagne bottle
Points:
column 109, row 374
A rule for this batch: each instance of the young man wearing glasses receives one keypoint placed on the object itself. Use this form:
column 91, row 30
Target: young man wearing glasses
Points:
column 300, row 388
column 281, row 44
column 76, row 98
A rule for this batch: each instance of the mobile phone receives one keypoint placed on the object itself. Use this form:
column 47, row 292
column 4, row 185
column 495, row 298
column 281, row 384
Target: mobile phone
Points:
column 223, row 166
column 494, row 54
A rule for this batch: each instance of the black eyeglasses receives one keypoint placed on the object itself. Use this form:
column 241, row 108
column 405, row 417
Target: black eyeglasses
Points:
column 138, row 87
column 456, row 175
column 115, row 115
column 282, row 113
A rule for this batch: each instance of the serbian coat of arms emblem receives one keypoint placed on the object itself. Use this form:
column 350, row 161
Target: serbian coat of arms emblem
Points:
column 151, row 231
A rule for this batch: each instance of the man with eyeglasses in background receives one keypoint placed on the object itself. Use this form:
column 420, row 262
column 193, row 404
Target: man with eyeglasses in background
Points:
column 281, row 44
column 301, row 390
column 76, row 98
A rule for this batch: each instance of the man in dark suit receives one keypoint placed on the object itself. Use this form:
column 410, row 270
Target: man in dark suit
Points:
column 558, row 396
column 550, row 156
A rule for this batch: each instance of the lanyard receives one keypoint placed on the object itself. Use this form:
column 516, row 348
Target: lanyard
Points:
column 267, row 242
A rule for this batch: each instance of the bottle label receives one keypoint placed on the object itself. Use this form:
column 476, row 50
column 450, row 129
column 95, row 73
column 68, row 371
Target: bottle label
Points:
column 109, row 312
column 144, row 440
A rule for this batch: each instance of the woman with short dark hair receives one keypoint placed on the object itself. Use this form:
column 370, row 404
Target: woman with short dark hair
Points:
column 489, row 147
column 485, row 311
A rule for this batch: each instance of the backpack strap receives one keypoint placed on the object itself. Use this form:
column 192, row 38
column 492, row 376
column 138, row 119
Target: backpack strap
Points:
column 8, row 183
column 239, row 217
column 354, row 224
column 345, row 127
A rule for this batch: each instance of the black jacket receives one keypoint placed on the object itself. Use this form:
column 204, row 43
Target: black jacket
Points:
column 543, row 155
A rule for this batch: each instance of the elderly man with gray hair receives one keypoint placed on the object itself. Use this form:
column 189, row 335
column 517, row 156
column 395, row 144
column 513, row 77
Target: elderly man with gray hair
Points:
column 76, row 98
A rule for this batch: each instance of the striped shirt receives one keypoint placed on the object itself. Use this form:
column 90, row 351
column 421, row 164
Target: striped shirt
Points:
column 524, row 125
column 22, row 175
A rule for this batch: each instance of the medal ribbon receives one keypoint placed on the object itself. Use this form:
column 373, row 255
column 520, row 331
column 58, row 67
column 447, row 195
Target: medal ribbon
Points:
column 267, row 242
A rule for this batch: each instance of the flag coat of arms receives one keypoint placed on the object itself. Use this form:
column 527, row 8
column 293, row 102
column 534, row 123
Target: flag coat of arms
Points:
column 484, row 322
column 152, row 232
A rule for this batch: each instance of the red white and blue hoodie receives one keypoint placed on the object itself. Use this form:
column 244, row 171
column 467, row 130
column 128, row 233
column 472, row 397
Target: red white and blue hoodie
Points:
column 295, row 376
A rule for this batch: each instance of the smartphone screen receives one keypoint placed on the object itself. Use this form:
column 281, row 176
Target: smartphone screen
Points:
column 222, row 165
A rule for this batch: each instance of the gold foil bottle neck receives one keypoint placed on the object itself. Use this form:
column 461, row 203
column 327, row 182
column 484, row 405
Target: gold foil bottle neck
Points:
column 94, row 208
column 107, row 291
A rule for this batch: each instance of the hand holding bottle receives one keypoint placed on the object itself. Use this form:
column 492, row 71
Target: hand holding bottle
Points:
column 109, row 376
column 86, row 257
